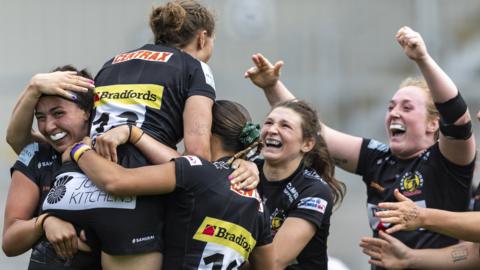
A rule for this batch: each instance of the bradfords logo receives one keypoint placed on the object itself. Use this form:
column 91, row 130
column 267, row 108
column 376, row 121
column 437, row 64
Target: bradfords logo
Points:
column 143, row 55
column 227, row 234
column 146, row 94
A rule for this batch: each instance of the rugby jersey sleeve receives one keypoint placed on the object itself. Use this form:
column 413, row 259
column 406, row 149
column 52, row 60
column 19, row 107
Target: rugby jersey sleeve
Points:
column 370, row 151
column 27, row 162
column 191, row 172
column 200, row 79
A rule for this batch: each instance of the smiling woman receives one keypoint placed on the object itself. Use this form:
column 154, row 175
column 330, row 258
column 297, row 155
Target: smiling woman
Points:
column 61, row 122
column 298, row 185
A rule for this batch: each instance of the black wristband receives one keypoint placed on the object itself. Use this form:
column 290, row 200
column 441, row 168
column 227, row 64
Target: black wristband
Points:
column 452, row 109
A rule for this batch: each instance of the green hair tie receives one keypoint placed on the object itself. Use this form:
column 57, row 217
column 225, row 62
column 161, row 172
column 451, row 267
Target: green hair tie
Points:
column 250, row 133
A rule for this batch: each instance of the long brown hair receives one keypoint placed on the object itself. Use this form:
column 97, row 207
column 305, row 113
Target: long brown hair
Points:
column 177, row 22
column 319, row 157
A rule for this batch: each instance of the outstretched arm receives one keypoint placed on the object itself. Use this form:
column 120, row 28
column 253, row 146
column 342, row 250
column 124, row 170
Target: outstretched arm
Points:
column 155, row 151
column 388, row 252
column 19, row 131
column 114, row 179
column 344, row 148
column 458, row 150
column 406, row 215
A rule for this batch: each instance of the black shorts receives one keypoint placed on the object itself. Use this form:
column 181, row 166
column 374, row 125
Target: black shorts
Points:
column 123, row 225
column 43, row 257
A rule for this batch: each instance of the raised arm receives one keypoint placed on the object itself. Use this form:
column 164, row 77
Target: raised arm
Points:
column 344, row 148
column 456, row 142
column 388, row 252
column 19, row 130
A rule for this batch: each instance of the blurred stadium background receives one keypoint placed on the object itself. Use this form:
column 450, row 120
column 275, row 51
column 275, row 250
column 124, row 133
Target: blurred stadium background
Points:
column 341, row 56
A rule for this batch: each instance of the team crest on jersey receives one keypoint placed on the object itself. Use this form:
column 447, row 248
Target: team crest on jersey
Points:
column 193, row 160
column 313, row 203
column 277, row 217
column 149, row 95
column 145, row 55
column 411, row 183
column 227, row 234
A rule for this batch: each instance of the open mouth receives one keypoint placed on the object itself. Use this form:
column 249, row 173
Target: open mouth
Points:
column 397, row 129
column 273, row 143
column 57, row 136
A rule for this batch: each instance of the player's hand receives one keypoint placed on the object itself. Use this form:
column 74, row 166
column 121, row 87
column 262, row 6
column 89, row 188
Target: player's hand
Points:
column 60, row 83
column 246, row 174
column 263, row 74
column 106, row 143
column 62, row 236
column 405, row 214
column 387, row 251
column 412, row 44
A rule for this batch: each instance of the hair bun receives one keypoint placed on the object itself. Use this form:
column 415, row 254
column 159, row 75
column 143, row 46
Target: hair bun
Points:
column 250, row 133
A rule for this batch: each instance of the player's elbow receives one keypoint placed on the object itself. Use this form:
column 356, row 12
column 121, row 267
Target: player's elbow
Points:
column 13, row 142
column 199, row 150
column 114, row 186
column 9, row 249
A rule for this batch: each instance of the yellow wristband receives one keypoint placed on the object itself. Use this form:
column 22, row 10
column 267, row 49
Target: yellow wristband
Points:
column 78, row 150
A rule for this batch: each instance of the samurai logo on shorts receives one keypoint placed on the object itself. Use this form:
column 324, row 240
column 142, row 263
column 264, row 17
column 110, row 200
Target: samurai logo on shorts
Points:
column 59, row 189
column 411, row 183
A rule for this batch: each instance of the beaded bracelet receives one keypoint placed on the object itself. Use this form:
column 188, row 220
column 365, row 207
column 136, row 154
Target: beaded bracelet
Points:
column 78, row 150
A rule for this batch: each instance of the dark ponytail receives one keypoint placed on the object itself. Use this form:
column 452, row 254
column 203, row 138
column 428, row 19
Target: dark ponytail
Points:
column 232, row 123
